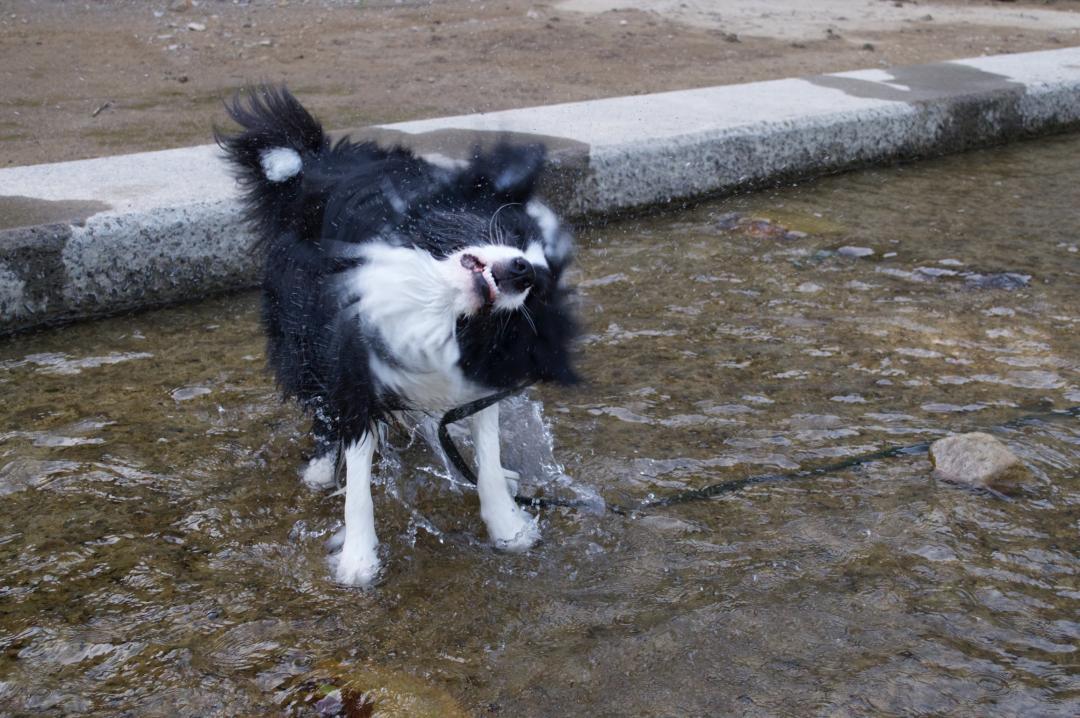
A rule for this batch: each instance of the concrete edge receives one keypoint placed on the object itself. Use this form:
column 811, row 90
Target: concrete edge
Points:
column 94, row 237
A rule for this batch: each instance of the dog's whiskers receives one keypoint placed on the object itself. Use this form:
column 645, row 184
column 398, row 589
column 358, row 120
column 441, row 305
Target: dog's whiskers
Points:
column 528, row 318
column 495, row 235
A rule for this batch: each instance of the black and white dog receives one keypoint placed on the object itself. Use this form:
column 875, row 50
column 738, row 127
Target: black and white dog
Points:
column 392, row 284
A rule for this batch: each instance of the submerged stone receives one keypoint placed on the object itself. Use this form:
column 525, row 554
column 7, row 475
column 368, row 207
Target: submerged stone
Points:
column 728, row 221
column 997, row 280
column 187, row 393
column 976, row 459
column 850, row 251
column 764, row 229
column 339, row 689
column 757, row 227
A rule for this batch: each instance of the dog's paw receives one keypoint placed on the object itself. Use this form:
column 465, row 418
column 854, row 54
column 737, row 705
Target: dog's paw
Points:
column 512, row 479
column 514, row 531
column 355, row 567
column 319, row 473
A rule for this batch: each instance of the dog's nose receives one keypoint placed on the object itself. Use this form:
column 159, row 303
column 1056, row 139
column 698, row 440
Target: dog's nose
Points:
column 516, row 273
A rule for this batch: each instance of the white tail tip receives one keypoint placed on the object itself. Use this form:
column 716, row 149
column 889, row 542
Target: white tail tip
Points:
column 280, row 163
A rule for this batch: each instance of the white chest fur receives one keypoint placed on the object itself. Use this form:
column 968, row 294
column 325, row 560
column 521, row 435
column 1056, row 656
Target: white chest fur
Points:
column 410, row 300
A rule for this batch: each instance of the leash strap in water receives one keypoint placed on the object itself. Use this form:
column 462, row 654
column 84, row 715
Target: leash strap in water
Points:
column 712, row 490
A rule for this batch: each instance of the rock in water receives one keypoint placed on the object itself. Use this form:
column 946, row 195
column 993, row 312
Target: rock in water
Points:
column 338, row 689
column 976, row 459
column 849, row 251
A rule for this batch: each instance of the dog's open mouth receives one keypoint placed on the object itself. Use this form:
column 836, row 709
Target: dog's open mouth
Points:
column 482, row 279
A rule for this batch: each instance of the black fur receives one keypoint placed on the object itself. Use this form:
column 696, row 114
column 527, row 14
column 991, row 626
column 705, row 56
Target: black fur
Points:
column 347, row 194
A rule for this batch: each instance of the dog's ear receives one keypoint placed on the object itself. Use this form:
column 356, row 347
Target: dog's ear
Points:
column 506, row 172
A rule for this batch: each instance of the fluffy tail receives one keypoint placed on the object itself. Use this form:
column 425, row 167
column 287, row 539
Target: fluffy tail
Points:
column 278, row 139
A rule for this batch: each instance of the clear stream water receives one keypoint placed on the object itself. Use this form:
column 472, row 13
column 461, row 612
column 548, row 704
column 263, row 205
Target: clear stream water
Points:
column 158, row 555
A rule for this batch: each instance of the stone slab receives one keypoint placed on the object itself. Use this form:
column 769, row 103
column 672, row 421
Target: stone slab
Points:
column 92, row 237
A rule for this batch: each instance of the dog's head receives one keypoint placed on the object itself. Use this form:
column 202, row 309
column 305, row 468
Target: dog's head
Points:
column 500, row 245
column 469, row 243
column 507, row 253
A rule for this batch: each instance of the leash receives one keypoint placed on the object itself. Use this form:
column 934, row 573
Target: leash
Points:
column 712, row 490
column 462, row 466
column 465, row 411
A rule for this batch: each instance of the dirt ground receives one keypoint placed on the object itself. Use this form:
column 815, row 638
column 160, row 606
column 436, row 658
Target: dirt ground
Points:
column 82, row 79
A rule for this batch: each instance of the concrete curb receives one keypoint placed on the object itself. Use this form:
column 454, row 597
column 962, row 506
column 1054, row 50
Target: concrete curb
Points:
column 79, row 239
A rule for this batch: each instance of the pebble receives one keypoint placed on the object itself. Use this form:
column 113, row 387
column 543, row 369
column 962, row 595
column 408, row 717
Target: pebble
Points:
column 763, row 229
column 755, row 227
column 997, row 280
column 1000, row 312
column 936, row 272
column 728, row 220
column 331, row 704
column 855, row 251
column 196, row 26
column 189, row 392
column 976, row 459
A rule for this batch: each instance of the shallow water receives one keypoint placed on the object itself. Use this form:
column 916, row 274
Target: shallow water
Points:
column 160, row 557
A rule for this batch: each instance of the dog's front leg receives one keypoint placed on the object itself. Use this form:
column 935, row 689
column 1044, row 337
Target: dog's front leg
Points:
column 358, row 563
column 508, row 525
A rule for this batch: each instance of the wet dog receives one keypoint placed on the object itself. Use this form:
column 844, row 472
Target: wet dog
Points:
column 392, row 284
